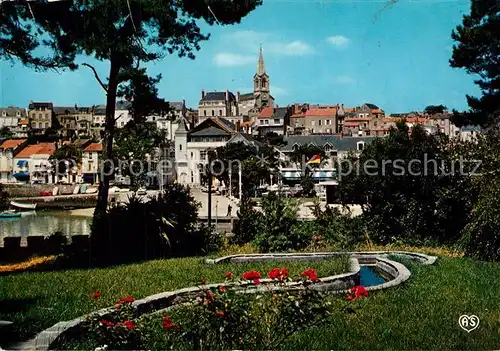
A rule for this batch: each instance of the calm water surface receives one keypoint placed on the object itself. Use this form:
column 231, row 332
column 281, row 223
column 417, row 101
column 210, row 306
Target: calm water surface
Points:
column 42, row 223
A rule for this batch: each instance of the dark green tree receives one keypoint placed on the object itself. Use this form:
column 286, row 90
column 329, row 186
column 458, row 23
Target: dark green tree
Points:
column 476, row 51
column 5, row 132
column 135, row 149
column 434, row 109
column 409, row 188
column 68, row 155
column 120, row 32
column 4, row 199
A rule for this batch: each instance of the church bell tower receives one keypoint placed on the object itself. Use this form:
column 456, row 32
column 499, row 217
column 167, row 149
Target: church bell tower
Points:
column 261, row 84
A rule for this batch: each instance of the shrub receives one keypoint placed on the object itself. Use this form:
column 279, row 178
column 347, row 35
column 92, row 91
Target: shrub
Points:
column 248, row 224
column 277, row 229
column 342, row 231
column 165, row 226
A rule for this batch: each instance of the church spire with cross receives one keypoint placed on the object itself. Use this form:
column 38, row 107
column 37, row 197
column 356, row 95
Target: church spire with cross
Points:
column 261, row 68
column 261, row 84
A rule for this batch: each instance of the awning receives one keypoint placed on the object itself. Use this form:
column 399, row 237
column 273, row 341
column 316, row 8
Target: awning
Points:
column 22, row 163
column 22, row 176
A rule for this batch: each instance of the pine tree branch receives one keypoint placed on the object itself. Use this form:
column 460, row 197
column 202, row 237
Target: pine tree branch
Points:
column 96, row 76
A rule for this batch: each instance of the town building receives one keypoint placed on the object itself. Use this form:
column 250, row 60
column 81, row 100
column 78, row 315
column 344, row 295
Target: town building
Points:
column 91, row 158
column 192, row 147
column 217, row 104
column 273, row 120
column 336, row 148
column 320, row 120
column 41, row 116
column 8, row 150
column 32, row 164
column 122, row 113
column 11, row 116
column 74, row 121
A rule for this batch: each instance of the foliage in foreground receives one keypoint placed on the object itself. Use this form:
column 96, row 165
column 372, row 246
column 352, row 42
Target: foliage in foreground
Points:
column 165, row 226
column 248, row 314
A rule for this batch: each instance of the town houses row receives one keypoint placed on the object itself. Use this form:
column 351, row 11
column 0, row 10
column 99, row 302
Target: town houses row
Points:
column 221, row 117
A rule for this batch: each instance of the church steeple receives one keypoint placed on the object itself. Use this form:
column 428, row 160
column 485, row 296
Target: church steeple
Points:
column 261, row 69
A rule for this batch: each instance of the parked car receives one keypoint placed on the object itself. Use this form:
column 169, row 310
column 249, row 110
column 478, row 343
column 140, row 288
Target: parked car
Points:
column 141, row 191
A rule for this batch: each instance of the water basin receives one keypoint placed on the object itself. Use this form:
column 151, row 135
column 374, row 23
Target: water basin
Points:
column 369, row 276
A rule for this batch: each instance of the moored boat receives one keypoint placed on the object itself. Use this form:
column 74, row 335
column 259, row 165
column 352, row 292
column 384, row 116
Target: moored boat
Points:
column 9, row 214
column 23, row 205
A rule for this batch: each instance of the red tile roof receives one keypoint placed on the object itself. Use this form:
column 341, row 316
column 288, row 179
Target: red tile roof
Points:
column 12, row 144
column 356, row 119
column 94, row 147
column 351, row 124
column 321, row 112
column 298, row 115
column 24, row 122
column 267, row 112
column 38, row 149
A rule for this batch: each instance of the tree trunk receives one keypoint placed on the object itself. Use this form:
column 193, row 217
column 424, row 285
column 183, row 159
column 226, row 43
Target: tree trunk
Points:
column 109, row 131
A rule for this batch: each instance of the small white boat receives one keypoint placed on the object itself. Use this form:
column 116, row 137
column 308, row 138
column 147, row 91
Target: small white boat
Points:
column 55, row 191
column 22, row 205
column 91, row 191
column 76, row 190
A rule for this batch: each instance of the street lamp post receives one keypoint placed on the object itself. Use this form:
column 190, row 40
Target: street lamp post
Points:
column 239, row 176
column 230, row 183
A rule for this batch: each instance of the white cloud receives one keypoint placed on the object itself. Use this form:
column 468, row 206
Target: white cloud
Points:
column 338, row 41
column 277, row 91
column 345, row 80
column 294, row 48
column 229, row 59
column 251, row 41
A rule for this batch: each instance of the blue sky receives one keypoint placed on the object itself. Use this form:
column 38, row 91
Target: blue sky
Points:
column 330, row 51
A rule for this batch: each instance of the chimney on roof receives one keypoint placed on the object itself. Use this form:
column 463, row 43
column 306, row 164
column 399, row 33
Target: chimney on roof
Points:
column 238, row 97
column 202, row 94
column 227, row 95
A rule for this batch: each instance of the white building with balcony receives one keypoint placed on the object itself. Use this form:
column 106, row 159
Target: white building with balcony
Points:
column 8, row 149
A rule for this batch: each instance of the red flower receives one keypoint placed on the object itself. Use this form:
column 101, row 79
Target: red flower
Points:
column 209, row 298
column 359, row 291
column 220, row 313
column 203, row 282
column 129, row 325
column 229, row 275
column 310, row 274
column 274, row 273
column 107, row 323
column 222, row 289
column 168, row 324
column 96, row 294
column 251, row 275
column 256, row 281
column 128, row 299
column 277, row 273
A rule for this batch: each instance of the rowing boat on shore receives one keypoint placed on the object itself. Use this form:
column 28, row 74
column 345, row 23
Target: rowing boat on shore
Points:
column 22, row 205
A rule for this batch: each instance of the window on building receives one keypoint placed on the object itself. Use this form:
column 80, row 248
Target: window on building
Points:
column 319, row 123
column 276, row 121
column 192, row 156
column 192, row 177
column 213, row 113
column 203, row 154
column 46, row 124
column 313, row 123
column 40, row 115
column 267, row 121
column 361, row 146
column 220, row 112
column 40, row 125
column 180, row 147
column 205, row 113
column 327, row 147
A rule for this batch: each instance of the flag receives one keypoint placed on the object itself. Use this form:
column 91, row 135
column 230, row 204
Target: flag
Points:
column 315, row 159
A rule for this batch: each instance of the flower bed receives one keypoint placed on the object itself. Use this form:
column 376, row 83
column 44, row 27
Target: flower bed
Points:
column 224, row 316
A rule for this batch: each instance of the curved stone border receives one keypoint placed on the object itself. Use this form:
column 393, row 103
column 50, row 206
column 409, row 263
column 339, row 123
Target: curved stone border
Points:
column 333, row 284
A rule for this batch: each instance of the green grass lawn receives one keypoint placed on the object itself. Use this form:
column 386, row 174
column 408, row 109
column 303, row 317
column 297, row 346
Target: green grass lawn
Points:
column 421, row 314
column 36, row 301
